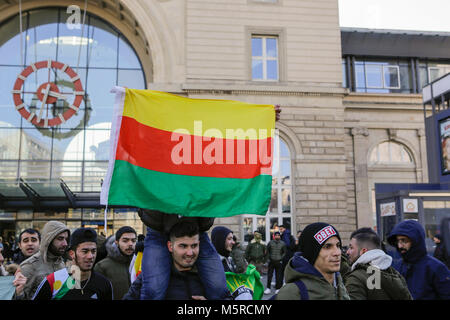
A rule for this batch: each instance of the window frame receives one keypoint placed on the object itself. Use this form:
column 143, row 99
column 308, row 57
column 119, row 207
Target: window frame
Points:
column 270, row 32
column 265, row 58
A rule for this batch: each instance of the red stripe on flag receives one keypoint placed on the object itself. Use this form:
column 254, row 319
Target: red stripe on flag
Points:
column 51, row 280
column 184, row 154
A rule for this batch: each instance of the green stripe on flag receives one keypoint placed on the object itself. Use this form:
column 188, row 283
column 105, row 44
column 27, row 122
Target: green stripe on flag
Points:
column 188, row 195
column 68, row 284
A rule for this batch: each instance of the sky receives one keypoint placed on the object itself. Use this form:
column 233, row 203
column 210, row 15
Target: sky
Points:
column 419, row 15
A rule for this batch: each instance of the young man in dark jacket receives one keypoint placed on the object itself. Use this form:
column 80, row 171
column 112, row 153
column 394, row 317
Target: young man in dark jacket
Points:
column 156, row 262
column 313, row 273
column 276, row 250
column 115, row 267
column 184, row 283
column 427, row 277
column 371, row 276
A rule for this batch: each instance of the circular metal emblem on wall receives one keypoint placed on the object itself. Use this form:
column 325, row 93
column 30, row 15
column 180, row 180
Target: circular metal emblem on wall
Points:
column 48, row 93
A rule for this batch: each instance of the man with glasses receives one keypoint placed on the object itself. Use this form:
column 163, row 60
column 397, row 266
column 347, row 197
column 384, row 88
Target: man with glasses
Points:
column 427, row 277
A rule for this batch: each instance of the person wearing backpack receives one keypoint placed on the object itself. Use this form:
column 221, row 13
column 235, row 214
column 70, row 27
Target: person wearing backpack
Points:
column 313, row 273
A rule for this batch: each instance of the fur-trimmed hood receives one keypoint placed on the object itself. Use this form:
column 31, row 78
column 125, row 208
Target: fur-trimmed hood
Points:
column 114, row 252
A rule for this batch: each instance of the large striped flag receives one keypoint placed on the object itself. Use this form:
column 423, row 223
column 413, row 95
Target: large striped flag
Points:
column 192, row 157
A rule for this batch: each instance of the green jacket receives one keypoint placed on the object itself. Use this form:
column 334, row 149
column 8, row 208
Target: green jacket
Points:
column 317, row 287
column 115, row 267
column 363, row 283
column 256, row 252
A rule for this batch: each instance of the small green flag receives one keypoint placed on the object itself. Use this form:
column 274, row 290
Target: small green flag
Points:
column 245, row 286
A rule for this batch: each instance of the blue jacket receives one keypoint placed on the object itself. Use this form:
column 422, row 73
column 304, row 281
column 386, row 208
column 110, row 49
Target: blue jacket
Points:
column 427, row 277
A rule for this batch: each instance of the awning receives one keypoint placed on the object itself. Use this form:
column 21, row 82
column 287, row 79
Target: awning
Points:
column 44, row 195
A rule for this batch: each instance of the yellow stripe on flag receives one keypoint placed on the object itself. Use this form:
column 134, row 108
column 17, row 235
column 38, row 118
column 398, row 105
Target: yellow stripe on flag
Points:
column 201, row 117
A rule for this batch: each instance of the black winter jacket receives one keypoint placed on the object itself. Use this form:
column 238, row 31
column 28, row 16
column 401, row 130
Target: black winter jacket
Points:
column 163, row 222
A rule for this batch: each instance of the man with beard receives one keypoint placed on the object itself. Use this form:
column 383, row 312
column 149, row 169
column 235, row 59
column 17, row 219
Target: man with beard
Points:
column 77, row 282
column 116, row 265
column 427, row 277
column 49, row 258
column 371, row 276
column 29, row 240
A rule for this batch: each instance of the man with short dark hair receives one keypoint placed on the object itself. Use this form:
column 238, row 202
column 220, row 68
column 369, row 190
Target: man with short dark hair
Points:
column 372, row 277
column 184, row 283
column 276, row 250
column 78, row 282
column 29, row 240
column 313, row 273
column 116, row 266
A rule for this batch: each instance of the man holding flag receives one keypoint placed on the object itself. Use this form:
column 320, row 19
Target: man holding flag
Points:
column 183, row 157
column 79, row 282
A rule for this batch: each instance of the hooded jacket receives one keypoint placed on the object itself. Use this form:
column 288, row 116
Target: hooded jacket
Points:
column 392, row 286
column 115, row 267
column 43, row 262
column 427, row 277
column 317, row 287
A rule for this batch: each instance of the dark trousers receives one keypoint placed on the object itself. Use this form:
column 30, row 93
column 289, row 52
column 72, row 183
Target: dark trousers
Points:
column 276, row 266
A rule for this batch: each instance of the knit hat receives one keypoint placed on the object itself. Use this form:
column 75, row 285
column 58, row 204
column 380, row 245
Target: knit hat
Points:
column 81, row 235
column 313, row 238
column 125, row 229
column 218, row 236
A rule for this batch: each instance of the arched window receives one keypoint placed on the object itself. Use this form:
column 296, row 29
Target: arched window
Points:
column 280, row 208
column 390, row 152
column 76, row 150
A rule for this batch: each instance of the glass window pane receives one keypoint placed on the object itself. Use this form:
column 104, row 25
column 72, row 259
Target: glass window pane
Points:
column 35, row 145
column 405, row 78
column 391, row 77
column 344, row 74
column 271, row 47
column 256, row 47
column 435, row 73
column 97, row 144
column 286, row 200
column 35, row 170
column 284, row 150
column 273, row 227
column 383, row 151
column 287, row 223
column 133, row 79
column 100, row 99
column 396, row 152
column 9, row 115
column 273, row 207
column 10, row 41
column 257, row 69
column 42, row 35
column 68, row 144
column 8, row 170
column 102, row 51
column 247, row 223
column 360, row 76
column 127, row 56
column 286, row 172
column 70, row 172
column 261, row 227
column 374, row 76
column 94, row 173
column 272, row 70
column 9, row 144
column 423, row 77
